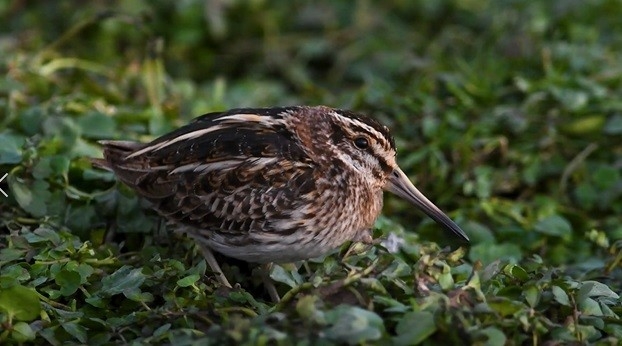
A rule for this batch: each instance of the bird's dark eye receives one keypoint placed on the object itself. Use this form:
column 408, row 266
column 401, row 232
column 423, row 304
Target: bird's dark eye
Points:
column 361, row 142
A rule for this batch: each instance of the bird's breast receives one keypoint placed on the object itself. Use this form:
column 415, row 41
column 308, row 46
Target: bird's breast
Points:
column 346, row 212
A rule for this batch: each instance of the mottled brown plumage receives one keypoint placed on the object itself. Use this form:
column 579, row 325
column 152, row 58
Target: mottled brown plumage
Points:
column 270, row 185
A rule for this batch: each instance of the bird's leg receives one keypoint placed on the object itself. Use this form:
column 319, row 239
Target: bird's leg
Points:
column 209, row 257
column 307, row 268
column 268, row 283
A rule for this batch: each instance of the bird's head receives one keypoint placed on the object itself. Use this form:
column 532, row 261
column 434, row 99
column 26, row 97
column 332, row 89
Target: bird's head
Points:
column 364, row 146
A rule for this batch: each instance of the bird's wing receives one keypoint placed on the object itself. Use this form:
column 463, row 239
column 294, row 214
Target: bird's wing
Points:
column 229, row 172
column 235, row 133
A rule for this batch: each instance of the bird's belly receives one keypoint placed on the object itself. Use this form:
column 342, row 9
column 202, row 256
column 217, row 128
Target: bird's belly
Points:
column 284, row 248
column 283, row 251
column 277, row 253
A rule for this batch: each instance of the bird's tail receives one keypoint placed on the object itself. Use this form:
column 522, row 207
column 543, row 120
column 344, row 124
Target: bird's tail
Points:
column 115, row 153
column 131, row 172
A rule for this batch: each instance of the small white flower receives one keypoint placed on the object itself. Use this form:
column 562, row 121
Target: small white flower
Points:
column 393, row 243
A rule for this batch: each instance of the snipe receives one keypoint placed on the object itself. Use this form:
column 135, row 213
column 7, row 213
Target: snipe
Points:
column 272, row 184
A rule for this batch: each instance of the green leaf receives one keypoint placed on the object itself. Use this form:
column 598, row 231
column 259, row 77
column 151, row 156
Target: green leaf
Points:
column 76, row 330
column 596, row 289
column 532, row 295
column 494, row 336
column 20, row 302
column 491, row 271
column 31, row 198
column 488, row 253
column 606, row 177
column 97, row 125
column 85, row 271
column 188, row 280
column 590, row 307
column 554, row 225
column 12, row 275
column 587, row 194
column 124, row 279
column 560, row 296
column 30, row 120
column 64, row 131
column 96, row 301
column 478, row 232
column 353, row 325
column 56, row 165
column 81, row 218
column 11, row 254
column 614, row 330
column 483, row 181
column 585, row 125
column 414, row 328
column 42, row 169
column 504, row 306
column 10, row 148
column 43, row 234
column 138, row 296
column 23, row 332
column 446, row 281
column 69, row 281
column 307, row 308
column 515, row 271
column 288, row 277
column 161, row 330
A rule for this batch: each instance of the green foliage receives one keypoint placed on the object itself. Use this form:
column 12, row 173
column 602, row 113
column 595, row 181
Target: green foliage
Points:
column 506, row 113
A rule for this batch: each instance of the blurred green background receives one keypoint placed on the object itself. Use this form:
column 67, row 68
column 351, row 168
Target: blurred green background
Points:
column 507, row 114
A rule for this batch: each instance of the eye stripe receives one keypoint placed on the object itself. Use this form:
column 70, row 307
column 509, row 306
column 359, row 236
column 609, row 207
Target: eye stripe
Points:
column 361, row 130
column 378, row 132
column 359, row 125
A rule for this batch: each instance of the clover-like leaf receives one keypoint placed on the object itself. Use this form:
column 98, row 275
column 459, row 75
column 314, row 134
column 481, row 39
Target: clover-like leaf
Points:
column 123, row 279
column 10, row 147
column 554, row 225
column 68, row 280
column 20, row 302
column 560, row 295
column 22, row 332
column 353, row 325
column 188, row 280
column 414, row 327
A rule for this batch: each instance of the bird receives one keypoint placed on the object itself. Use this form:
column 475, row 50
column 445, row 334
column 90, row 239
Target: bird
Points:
column 270, row 185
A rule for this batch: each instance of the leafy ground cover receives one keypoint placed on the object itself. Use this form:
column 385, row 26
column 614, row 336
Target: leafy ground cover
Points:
column 507, row 113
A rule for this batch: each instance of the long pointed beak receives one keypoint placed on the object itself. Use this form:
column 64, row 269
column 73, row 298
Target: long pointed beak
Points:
column 400, row 185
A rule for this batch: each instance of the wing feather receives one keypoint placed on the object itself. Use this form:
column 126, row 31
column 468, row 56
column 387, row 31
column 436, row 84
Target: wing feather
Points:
column 216, row 136
column 230, row 172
